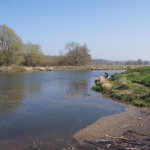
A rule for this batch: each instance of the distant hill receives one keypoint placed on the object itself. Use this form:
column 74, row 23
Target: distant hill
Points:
column 111, row 62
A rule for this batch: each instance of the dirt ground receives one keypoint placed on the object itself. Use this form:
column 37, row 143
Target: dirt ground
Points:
column 127, row 130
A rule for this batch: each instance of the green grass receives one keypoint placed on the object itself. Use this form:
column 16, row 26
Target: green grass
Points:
column 141, row 103
column 97, row 88
column 132, row 86
column 139, row 75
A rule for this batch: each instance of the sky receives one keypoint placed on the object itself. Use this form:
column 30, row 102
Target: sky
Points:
column 112, row 29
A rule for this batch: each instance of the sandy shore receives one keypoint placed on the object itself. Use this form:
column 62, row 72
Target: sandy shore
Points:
column 131, row 128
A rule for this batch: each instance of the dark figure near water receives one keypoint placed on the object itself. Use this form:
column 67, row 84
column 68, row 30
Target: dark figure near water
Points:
column 106, row 75
column 114, row 75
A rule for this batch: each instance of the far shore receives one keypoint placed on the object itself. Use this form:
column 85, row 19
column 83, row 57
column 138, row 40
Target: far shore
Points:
column 63, row 68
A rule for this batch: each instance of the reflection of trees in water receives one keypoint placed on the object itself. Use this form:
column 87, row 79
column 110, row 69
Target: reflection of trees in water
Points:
column 13, row 89
column 12, row 92
column 33, row 85
column 33, row 82
column 10, row 100
column 76, row 88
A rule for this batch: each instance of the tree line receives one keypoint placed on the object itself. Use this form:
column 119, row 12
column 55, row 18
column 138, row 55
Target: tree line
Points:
column 14, row 52
column 129, row 62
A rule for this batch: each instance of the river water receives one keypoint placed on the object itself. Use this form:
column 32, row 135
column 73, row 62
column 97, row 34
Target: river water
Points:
column 43, row 110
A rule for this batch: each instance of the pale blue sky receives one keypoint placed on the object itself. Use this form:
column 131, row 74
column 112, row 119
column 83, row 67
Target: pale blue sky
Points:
column 112, row 29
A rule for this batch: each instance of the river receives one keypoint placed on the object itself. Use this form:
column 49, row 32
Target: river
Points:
column 43, row 110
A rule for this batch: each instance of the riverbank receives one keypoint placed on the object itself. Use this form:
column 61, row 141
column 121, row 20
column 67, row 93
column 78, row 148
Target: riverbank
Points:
column 127, row 130
column 62, row 68
column 132, row 86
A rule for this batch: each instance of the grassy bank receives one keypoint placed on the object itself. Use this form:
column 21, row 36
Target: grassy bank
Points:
column 132, row 86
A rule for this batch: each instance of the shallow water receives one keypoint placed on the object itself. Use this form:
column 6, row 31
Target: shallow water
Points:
column 43, row 110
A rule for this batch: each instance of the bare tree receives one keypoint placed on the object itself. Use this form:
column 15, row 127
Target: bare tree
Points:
column 77, row 54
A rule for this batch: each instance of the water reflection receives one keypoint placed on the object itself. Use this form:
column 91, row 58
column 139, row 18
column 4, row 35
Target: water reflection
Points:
column 13, row 89
column 33, row 82
column 76, row 88
column 79, row 86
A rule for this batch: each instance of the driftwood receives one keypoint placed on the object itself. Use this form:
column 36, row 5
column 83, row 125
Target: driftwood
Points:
column 132, row 148
column 143, row 134
column 91, row 143
column 119, row 138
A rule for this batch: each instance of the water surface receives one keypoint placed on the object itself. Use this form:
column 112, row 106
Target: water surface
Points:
column 45, row 109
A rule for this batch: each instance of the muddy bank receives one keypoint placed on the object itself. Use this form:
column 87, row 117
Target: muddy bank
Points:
column 127, row 130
